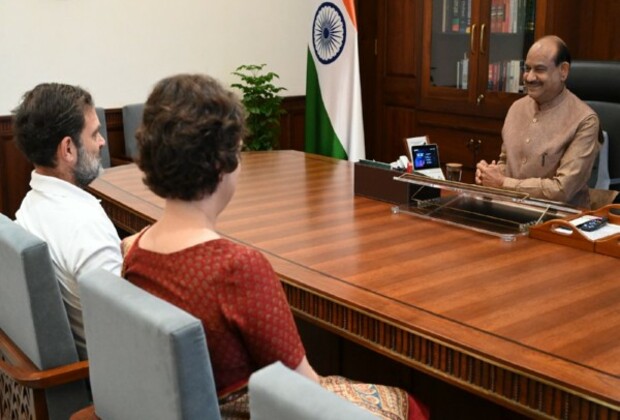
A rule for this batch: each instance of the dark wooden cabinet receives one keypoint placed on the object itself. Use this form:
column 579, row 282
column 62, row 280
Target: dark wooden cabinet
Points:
column 472, row 53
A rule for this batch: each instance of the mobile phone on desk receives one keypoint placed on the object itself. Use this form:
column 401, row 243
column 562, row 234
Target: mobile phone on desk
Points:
column 587, row 223
column 592, row 224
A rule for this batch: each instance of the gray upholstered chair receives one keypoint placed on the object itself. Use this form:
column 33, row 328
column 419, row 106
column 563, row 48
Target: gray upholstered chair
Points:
column 598, row 84
column 132, row 118
column 148, row 358
column 105, row 152
column 277, row 392
column 40, row 375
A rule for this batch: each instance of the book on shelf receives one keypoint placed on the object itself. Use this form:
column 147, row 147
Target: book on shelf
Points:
column 506, row 16
column 530, row 14
column 505, row 76
column 512, row 16
column 498, row 15
column 464, row 16
column 456, row 16
column 462, row 72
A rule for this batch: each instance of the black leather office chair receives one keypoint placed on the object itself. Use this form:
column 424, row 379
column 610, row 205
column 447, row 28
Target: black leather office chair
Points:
column 598, row 84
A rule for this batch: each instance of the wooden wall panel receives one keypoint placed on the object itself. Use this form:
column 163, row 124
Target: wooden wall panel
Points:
column 590, row 28
column 292, row 134
column 399, row 123
column 398, row 21
column 397, row 63
column 116, row 138
column 367, row 42
column 563, row 19
column 599, row 35
column 15, row 168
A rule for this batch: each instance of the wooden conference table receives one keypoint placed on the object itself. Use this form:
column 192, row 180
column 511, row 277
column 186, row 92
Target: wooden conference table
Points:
column 529, row 324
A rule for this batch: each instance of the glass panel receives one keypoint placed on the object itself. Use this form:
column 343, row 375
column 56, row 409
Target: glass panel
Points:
column 512, row 34
column 493, row 211
column 450, row 43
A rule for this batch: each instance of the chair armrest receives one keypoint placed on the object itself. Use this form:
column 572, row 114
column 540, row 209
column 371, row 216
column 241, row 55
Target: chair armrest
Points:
column 87, row 413
column 41, row 379
column 17, row 366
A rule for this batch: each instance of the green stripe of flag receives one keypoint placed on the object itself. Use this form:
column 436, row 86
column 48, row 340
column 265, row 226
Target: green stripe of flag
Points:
column 320, row 135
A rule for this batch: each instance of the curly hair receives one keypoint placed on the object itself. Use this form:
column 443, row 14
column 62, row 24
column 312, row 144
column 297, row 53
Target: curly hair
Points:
column 47, row 114
column 190, row 136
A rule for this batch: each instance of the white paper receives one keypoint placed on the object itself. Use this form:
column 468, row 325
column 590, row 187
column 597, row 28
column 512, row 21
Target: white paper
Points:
column 608, row 229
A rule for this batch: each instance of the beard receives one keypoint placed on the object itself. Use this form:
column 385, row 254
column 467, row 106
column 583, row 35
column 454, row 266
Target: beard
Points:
column 88, row 167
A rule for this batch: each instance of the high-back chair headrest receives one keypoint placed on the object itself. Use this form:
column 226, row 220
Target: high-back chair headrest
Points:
column 595, row 80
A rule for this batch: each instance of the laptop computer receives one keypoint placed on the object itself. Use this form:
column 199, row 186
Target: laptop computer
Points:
column 425, row 159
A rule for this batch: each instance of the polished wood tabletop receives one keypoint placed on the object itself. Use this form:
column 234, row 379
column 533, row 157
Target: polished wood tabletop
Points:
column 529, row 324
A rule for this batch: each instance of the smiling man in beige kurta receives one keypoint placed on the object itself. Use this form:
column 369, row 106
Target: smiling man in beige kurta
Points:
column 550, row 137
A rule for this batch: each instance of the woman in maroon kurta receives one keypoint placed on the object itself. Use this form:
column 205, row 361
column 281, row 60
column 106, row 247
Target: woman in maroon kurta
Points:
column 189, row 150
column 235, row 293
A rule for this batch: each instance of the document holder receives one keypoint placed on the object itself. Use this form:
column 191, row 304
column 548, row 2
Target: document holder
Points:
column 493, row 211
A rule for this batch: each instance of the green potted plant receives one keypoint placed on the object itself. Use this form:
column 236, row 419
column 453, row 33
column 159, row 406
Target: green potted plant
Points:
column 263, row 105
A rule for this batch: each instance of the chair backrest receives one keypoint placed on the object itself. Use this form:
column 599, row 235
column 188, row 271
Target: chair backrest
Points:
column 33, row 315
column 277, row 392
column 598, row 84
column 105, row 152
column 148, row 358
column 132, row 118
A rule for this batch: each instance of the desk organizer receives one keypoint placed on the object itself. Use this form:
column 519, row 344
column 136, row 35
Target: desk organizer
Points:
column 549, row 231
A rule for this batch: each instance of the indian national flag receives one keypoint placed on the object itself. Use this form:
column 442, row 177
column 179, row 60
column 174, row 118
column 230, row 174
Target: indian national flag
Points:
column 334, row 125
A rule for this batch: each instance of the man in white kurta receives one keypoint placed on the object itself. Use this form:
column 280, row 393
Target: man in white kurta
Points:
column 57, row 129
column 79, row 235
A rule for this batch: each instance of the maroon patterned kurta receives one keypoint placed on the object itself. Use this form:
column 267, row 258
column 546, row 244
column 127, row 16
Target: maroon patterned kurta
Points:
column 235, row 292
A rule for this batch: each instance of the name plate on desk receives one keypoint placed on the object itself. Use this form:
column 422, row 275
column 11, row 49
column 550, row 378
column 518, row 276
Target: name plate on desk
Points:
column 376, row 180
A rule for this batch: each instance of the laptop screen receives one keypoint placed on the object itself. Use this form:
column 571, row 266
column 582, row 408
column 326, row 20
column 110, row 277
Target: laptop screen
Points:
column 425, row 157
